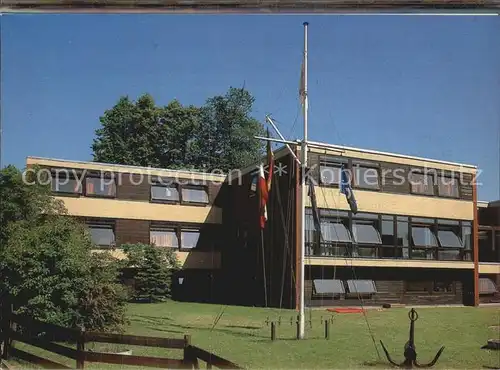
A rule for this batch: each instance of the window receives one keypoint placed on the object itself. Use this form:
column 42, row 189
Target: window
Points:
column 311, row 234
column 329, row 169
column 364, row 232
column 403, row 236
column 329, row 173
column 366, row 177
column 164, row 238
column 164, row 193
column 388, row 237
column 66, row 185
column 422, row 183
column 192, row 194
column 335, row 232
column 189, row 238
column 467, row 235
column 422, row 236
column 102, row 235
column 100, row 186
column 448, row 187
column 448, row 239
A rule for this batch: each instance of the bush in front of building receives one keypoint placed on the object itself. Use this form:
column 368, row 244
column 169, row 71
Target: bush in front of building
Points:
column 152, row 269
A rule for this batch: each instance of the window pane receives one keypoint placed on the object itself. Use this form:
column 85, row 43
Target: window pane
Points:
column 448, row 239
column 65, row 185
column 387, row 232
column 100, row 186
column 329, row 174
column 194, row 195
column 486, row 252
column 335, row 232
column 365, row 233
column 423, row 237
column 164, row 193
column 421, row 184
column 164, row 238
column 366, row 252
column 403, row 237
column 102, row 236
column 189, row 238
column 424, row 254
column 448, row 187
column 366, row 177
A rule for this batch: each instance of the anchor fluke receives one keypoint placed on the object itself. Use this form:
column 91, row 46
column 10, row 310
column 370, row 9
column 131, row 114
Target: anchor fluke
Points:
column 410, row 352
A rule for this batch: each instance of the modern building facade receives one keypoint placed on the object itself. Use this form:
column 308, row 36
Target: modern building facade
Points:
column 419, row 235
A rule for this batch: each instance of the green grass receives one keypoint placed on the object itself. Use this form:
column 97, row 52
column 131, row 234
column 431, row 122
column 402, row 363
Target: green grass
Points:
column 243, row 337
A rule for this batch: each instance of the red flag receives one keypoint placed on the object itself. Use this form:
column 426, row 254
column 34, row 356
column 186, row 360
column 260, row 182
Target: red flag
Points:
column 265, row 184
column 264, row 195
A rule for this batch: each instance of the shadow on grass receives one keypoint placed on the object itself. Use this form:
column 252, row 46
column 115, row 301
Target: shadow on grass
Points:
column 165, row 330
column 243, row 327
column 153, row 318
column 248, row 336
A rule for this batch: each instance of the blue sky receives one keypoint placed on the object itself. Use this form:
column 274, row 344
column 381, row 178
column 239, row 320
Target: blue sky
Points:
column 418, row 85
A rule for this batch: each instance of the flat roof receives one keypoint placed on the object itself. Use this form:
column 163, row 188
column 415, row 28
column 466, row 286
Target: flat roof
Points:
column 126, row 167
column 395, row 155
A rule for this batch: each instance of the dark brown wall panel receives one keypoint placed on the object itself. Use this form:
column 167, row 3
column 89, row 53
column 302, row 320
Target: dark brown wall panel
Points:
column 131, row 231
column 132, row 187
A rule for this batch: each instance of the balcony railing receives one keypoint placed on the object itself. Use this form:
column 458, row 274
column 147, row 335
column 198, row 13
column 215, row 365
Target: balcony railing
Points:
column 386, row 252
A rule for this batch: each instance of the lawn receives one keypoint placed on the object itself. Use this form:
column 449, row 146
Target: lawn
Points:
column 242, row 336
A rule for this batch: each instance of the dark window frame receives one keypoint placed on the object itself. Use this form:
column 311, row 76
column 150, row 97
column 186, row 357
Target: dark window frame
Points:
column 332, row 162
column 438, row 188
column 432, row 186
column 179, row 185
column 194, row 187
column 164, row 201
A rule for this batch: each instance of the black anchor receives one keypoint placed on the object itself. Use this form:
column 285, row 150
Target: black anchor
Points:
column 410, row 352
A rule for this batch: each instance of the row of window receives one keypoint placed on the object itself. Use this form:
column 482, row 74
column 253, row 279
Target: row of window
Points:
column 183, row 238
column 388, row 236
column 365, row 176
column 106, row 187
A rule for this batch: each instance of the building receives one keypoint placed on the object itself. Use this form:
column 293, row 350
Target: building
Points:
column 129, row 204
column 420, row 236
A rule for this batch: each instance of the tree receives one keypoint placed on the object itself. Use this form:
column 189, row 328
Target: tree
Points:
column 47, row 265
column 142, row 134
column 218, row 135
column 21, row 201
column 226, row 140
column 154, row 268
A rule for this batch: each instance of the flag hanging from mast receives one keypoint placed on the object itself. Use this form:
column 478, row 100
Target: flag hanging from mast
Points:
column 345, row 188
column 265, row 184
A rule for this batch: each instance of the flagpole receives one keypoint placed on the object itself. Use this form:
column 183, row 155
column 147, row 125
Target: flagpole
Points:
column 304, row 196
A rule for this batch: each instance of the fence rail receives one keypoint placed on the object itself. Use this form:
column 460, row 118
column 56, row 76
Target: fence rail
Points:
column 44, row 335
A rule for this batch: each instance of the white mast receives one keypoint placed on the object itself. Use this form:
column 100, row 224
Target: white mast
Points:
column 304, row 195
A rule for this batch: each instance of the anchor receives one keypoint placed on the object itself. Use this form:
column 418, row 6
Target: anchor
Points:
column 410, row 352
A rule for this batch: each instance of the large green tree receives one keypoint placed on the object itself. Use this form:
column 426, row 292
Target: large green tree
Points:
column 47, row 267
column 218, row 135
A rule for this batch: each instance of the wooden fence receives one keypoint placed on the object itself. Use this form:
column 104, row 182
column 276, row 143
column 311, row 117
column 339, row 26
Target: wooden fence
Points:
column 57, row 339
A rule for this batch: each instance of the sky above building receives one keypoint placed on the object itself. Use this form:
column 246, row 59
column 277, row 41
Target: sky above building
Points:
column 426, row 86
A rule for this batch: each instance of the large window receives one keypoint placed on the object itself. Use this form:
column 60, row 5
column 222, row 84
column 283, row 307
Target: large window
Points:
column 67, row 185
column 403, row 236
column 422, row 183
column 329, row 170
column 365, row 234
column 448, row 187
column 194, row 194
column 164, row 238
column 189, row 238
column 423, row 238
column 164, row 193
column 100, row 186
column 366, row 177
column 102, row 235
column 179, row 237
column 450, row 243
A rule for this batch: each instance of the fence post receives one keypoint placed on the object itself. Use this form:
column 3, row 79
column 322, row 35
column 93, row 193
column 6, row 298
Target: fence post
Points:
column 80, row 348
column 7, row 327
column 189, row 360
